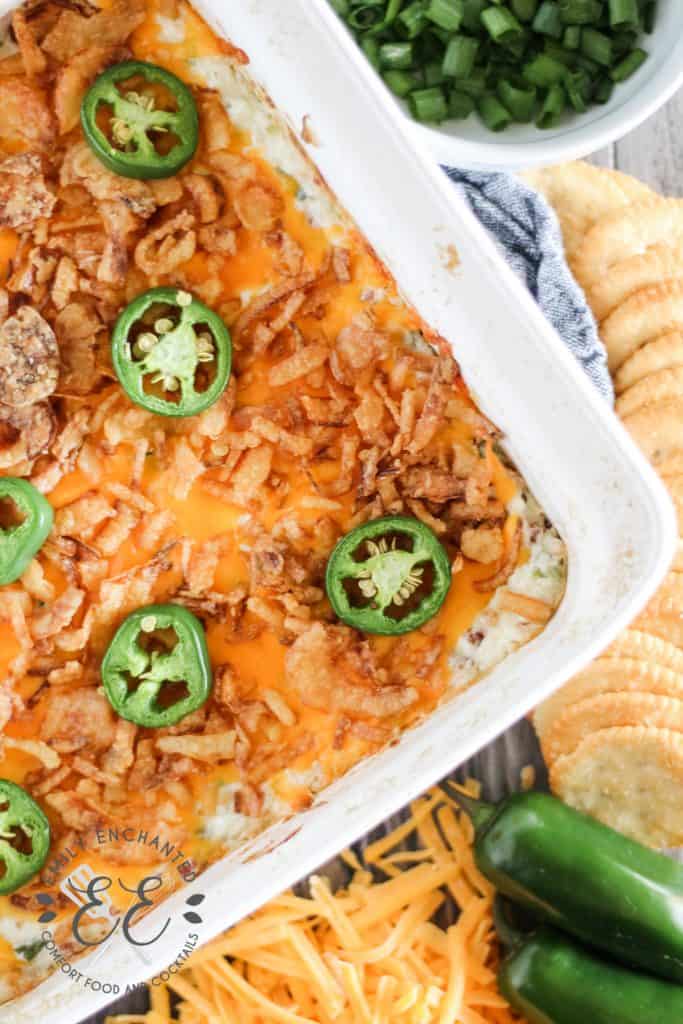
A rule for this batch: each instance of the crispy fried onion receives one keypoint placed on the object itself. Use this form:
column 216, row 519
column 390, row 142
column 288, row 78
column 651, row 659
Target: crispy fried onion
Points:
column 74, row 33
column 74, row 78
column 31, row 54
column 211, row 747
column 78, row 720
column 530, row 608
column 482, row 543
column 168, row 246
column 331, row 671
column 81, row 167
column 29, row 359
column 24, row 195
column 25, row 112
column 24, row 433
column 36, row 748
column 506, row 566
column 77, row 327
column 258, row 206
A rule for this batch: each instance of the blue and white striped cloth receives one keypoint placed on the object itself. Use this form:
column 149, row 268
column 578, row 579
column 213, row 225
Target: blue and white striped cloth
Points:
column 528, row 234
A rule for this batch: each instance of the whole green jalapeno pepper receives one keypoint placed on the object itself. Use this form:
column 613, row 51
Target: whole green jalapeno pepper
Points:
column 172, row 354
column 24, row 837
column 156, row 669
column 139, row 138
column 551, row 979
column 388, row 576
column 23, row 539
column 583, row 877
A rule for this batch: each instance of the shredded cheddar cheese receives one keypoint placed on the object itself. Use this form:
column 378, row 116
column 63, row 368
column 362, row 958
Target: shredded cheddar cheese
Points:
column 368, row 954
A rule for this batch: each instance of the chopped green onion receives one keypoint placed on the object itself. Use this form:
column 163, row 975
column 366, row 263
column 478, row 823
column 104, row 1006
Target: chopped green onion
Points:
column 624, row 12
column 520, row 102
column 411, row 21
column 433, row 73
column 514, row 60
column 401, row 82
column 370, row 48
column 548, row 21
column 553, row 108
column 559, row 53
column 428, row 105
column 460, row 105
column 578, row 87
column 475, row 84
column 396, row 55
column 524, row 10
column 543, row 71
column 447, row 14
column 591, row 66
column 603, row 90
column 460, row 56
column 341, row 7
column 628, row 66
column 500, row 24
column 580, row 12
column 366, row 16
column 650, row 16
column 571, row 39
column 597, row 46
column 471, row 19
column 493, row 113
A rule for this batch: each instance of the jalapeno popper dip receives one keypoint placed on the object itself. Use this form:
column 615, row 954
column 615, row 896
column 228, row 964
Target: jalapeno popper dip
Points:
column 253, row 525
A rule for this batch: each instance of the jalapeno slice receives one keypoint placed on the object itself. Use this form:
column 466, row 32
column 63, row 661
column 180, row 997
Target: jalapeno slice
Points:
column 389, row 576
column 171, row 353
column 156, row 669
column 28, row 517
column 24, row 837
column 140, row 120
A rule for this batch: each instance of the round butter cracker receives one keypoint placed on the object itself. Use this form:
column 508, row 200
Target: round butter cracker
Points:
column 669, row 597
column 664, row 353
column 657, row 431
column 627, row 232
column 629, row 778
column 582, row 194
column 609, row 675
column 660, row 263
column 644, row 316
column 640, row 646
column 666, row 624
column 608, row 711
column 658, row 387
column 672, row 467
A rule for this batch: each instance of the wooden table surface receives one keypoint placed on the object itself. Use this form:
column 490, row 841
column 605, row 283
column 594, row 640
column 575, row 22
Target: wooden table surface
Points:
column 654, row 154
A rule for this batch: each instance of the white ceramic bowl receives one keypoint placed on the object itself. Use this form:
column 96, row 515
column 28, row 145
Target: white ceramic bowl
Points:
column 469, row 144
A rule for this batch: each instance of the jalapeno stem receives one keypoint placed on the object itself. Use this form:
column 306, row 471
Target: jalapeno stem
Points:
column 509, row 936
column 479, row 812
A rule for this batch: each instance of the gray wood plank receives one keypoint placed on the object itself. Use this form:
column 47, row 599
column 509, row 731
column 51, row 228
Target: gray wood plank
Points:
column 604, row 157
column 654, row 152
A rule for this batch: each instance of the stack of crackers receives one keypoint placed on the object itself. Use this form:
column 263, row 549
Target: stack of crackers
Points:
column 613, row 737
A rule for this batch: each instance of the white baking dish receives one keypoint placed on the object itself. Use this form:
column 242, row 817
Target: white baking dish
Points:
column 607, row 502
